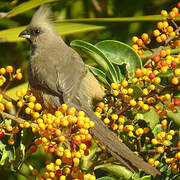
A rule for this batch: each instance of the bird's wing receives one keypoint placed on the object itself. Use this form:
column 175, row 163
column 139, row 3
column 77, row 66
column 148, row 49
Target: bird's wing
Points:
column 57, row 75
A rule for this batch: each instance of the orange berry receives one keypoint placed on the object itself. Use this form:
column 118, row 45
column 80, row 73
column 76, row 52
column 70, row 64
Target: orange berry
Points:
column 160, row 149
column 9, row 69
column 8, row 105
column 101, row 105
column 138, row 72
column 144, row 36
column 32, row 99
column 37, row 107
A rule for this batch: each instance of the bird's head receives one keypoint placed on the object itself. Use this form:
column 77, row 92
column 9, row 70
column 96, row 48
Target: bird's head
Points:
column 40, row 28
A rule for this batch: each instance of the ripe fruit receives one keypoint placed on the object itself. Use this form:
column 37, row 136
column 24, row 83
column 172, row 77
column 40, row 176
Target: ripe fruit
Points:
column 176, row 102
column 33, row 149
column 2, row 134
column 152, row 76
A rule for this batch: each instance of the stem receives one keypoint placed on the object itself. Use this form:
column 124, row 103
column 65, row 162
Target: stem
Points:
column 160, row 48
column 6, row 97
column 153, row 151
column 17, row 119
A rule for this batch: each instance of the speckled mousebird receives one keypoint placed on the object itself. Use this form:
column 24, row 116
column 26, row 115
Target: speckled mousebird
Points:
column 58, row 75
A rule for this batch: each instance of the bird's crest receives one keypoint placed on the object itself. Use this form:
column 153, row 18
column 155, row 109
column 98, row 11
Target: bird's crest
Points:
column 42, row 15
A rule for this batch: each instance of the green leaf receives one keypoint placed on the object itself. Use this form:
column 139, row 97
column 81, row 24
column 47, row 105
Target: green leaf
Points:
column 157, row 129
column 100, row 75
column 11, row 35
column 120, row 53
column 98, row 56
column 116, row 170
column 87, row 161
column 137, row 91
column 151, row 117
column 12, row 92
column 175, row 117
column 27, row 6
column 106, row 178
column 167, row 74
column 19, row 156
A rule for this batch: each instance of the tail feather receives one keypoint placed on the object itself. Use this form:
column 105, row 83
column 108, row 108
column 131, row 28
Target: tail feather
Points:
column 118, row 149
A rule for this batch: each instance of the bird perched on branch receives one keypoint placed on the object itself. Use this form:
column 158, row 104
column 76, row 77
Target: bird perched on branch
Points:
column 58, row 75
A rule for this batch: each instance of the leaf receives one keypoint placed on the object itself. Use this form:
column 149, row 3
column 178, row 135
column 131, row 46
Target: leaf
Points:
column 120, row 53
column 87, row 161
column 23, row 7
column 19, row 156
column 167, row 74
column 137, row 91
column 116, row 170
column 151, row 117
column 12, row 92
column 175, row 117
column 98, row 56
column 99, row 75
column 106, row 178
column 157, row 129
column 11, row 35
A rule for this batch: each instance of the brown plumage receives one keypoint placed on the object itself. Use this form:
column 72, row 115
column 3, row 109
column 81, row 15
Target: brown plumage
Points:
column 58, row 75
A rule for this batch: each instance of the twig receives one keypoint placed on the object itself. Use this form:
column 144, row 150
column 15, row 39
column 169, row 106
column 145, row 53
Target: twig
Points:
column 160, row 48
column 96, row 6
column 154, row 151
column 7, row 97
column 104, row 161
column 17, row 119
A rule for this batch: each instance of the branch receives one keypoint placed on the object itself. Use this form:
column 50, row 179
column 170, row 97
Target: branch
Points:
column 153, row 151
column 160, row 48
column 17, row 119
column 96, row 6
column 6, row 97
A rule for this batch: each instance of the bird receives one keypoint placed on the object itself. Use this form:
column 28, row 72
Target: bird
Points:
column 58, row 75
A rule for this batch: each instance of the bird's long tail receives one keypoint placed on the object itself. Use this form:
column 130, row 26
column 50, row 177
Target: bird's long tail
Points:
column 119, row 150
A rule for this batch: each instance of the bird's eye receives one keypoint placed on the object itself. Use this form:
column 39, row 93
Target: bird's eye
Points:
column 37, row 31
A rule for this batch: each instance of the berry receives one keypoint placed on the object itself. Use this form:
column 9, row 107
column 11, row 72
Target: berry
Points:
column 33, row 149
column 152, row 76
column 1, row 134
column 176, row 102
column 174, row 64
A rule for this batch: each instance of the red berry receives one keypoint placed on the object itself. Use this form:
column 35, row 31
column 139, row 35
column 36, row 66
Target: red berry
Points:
column 58, row 172
column 151, row 76
column 163, row 63
column 178, row 5
column 176, row 102
column 88, row 144
column 156, row 59
column 33, row 149
column 2, row 134
column 174, row 64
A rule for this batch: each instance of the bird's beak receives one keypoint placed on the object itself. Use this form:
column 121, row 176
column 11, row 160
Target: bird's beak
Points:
column 25, row 34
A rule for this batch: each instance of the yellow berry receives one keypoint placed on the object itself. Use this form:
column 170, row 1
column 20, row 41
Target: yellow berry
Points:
column 37, row 107
column 124, row 83
column 2, row 71
column 160, row 149
column 154, row 141
column 132, row 102
column 32, row 99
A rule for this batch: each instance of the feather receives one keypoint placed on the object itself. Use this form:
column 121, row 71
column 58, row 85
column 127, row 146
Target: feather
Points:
column 42, row 15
